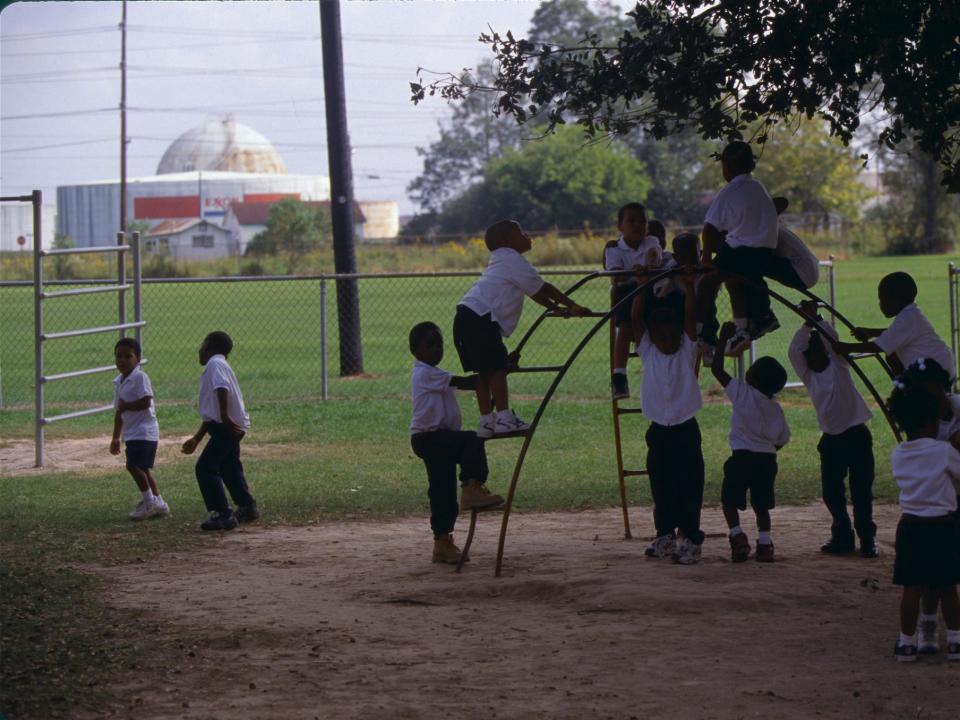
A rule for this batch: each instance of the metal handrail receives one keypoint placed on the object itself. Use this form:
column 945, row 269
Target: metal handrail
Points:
column 84, row 291
column 78, row 373
column 92, row 331
column 85, row 250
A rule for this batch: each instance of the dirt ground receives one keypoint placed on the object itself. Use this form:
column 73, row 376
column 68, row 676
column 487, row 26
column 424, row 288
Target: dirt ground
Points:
column 351, row 620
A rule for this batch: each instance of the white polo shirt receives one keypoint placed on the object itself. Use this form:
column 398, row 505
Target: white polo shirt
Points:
column 624, row 257
column 434, row 400
column 758, row 423
column 137, row 424
column 744, row 210
column 501, row 288
column 805, row 263
column 911, row 337
column 218, row 374
column 949, row 428
column 669, row 392
column 834, row 396
column 927, row 471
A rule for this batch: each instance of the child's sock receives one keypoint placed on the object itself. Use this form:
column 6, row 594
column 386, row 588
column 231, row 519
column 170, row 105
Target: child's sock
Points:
column 764, row 537
column 619, row 371
column 908, row 639
column 740, row 323
column 147, row 495
column 734, row 531
column 928, row 618
column 953, row 636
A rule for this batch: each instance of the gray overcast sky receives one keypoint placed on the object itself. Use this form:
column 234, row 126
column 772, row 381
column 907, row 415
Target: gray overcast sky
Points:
column 261, row 61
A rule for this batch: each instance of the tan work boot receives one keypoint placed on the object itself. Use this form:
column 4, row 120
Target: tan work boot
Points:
column 475, row 496
column 444, row 550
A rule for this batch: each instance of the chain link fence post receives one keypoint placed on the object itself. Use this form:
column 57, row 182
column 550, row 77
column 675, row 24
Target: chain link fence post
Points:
column 323, row 337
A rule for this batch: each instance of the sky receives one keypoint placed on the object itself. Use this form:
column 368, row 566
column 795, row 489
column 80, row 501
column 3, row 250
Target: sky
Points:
column 258, row 60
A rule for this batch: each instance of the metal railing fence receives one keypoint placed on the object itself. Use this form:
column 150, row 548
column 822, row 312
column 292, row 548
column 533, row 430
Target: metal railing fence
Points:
column 285, row 347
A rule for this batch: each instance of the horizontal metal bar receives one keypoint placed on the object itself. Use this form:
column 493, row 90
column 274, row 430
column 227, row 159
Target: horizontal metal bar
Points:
column 629, row 411
column 85, row 291
column 85, row 250
column 632, row 473
column 17, row 198
column 567, row 316
column 537, row 368
column 93, row 331
column 861, row 356
column 78, row 373
column 79, row 413
column 513, row 434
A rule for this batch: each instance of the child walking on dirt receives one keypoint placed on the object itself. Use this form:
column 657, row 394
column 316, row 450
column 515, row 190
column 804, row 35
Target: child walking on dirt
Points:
column 634, row 250
column 910, row 335
column 224, row 418
column 490, row 312
column 846, row 445
column 436, row 438
column 927, row 471
column 136, row 419
column 670, row 397
column 758, row 429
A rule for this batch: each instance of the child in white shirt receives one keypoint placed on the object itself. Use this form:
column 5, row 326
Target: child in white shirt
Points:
column 136, row 418
column 927, row 471
column 758, row 429
column 633, row 251
column 846, row 444
column 739, row 236
column 224, row 418
column 670, row 398
column 490, row 312
column 910, row 335
column 437, row 439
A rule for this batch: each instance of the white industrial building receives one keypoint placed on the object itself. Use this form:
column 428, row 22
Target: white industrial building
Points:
column 16, row 221
column 202, row 174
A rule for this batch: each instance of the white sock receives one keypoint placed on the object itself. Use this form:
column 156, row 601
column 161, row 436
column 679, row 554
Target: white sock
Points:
column 146, row 495
column 619, row 371
column 505, row 413
column 741, row 323
column 699, row 328
column 488, row 416
column 928, row 618
column 953, row 636
column 764, row 537
column 908, row 639
column 734, row 531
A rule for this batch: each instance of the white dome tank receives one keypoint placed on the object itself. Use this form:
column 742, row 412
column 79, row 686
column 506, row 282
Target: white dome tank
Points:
column 222, row 144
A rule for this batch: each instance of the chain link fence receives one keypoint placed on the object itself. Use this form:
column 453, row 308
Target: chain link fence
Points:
column 285, row 331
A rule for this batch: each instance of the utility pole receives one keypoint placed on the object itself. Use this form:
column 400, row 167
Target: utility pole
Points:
column 341, row 189
column 123, row 120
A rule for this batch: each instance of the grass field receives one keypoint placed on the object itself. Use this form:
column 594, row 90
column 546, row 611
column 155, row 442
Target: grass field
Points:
column 309, row 460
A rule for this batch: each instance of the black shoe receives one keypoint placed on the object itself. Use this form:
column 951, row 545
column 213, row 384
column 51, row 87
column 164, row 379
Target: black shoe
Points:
column 837, row 546
column 869, row 549
column 621, row 387
column 220, row 521
column 763, row 325
column 247, row 513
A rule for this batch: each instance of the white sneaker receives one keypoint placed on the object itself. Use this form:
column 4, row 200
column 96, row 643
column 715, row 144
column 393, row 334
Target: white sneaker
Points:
column 144, row 509
column 508, row 422
column 161, row 509
column 706, row 352
column 486, row 427
column 928, row 638
column 686, row 552
column 661, row 547
column 738, row 343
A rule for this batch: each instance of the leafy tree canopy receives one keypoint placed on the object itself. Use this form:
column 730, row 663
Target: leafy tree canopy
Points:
column 721, row 68
column 556, row 182
column 294, row 228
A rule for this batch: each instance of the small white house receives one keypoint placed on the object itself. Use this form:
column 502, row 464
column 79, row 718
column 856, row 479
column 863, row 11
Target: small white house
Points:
column 189, row 239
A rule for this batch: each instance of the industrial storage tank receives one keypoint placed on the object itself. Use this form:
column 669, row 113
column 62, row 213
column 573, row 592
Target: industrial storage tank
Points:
column 221, row 144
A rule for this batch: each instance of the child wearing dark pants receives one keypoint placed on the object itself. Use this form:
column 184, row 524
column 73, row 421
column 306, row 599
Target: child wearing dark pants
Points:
column 670, row 397
column 225, row 419
column 758, row 429
column 846, row 446
column 676, row 469
column 436, row 438
column 927, row 472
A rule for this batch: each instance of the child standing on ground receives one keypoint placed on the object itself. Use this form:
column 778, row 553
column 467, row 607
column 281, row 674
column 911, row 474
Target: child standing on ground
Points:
column 670, row 397
column 136, row 418
column 927, row 471
column 758, row 429
column 224, row 418
column 437, row 439
column 490, row 312
column 634, row 250
column 739, row 236
column 910, row 335
column 846, row 445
